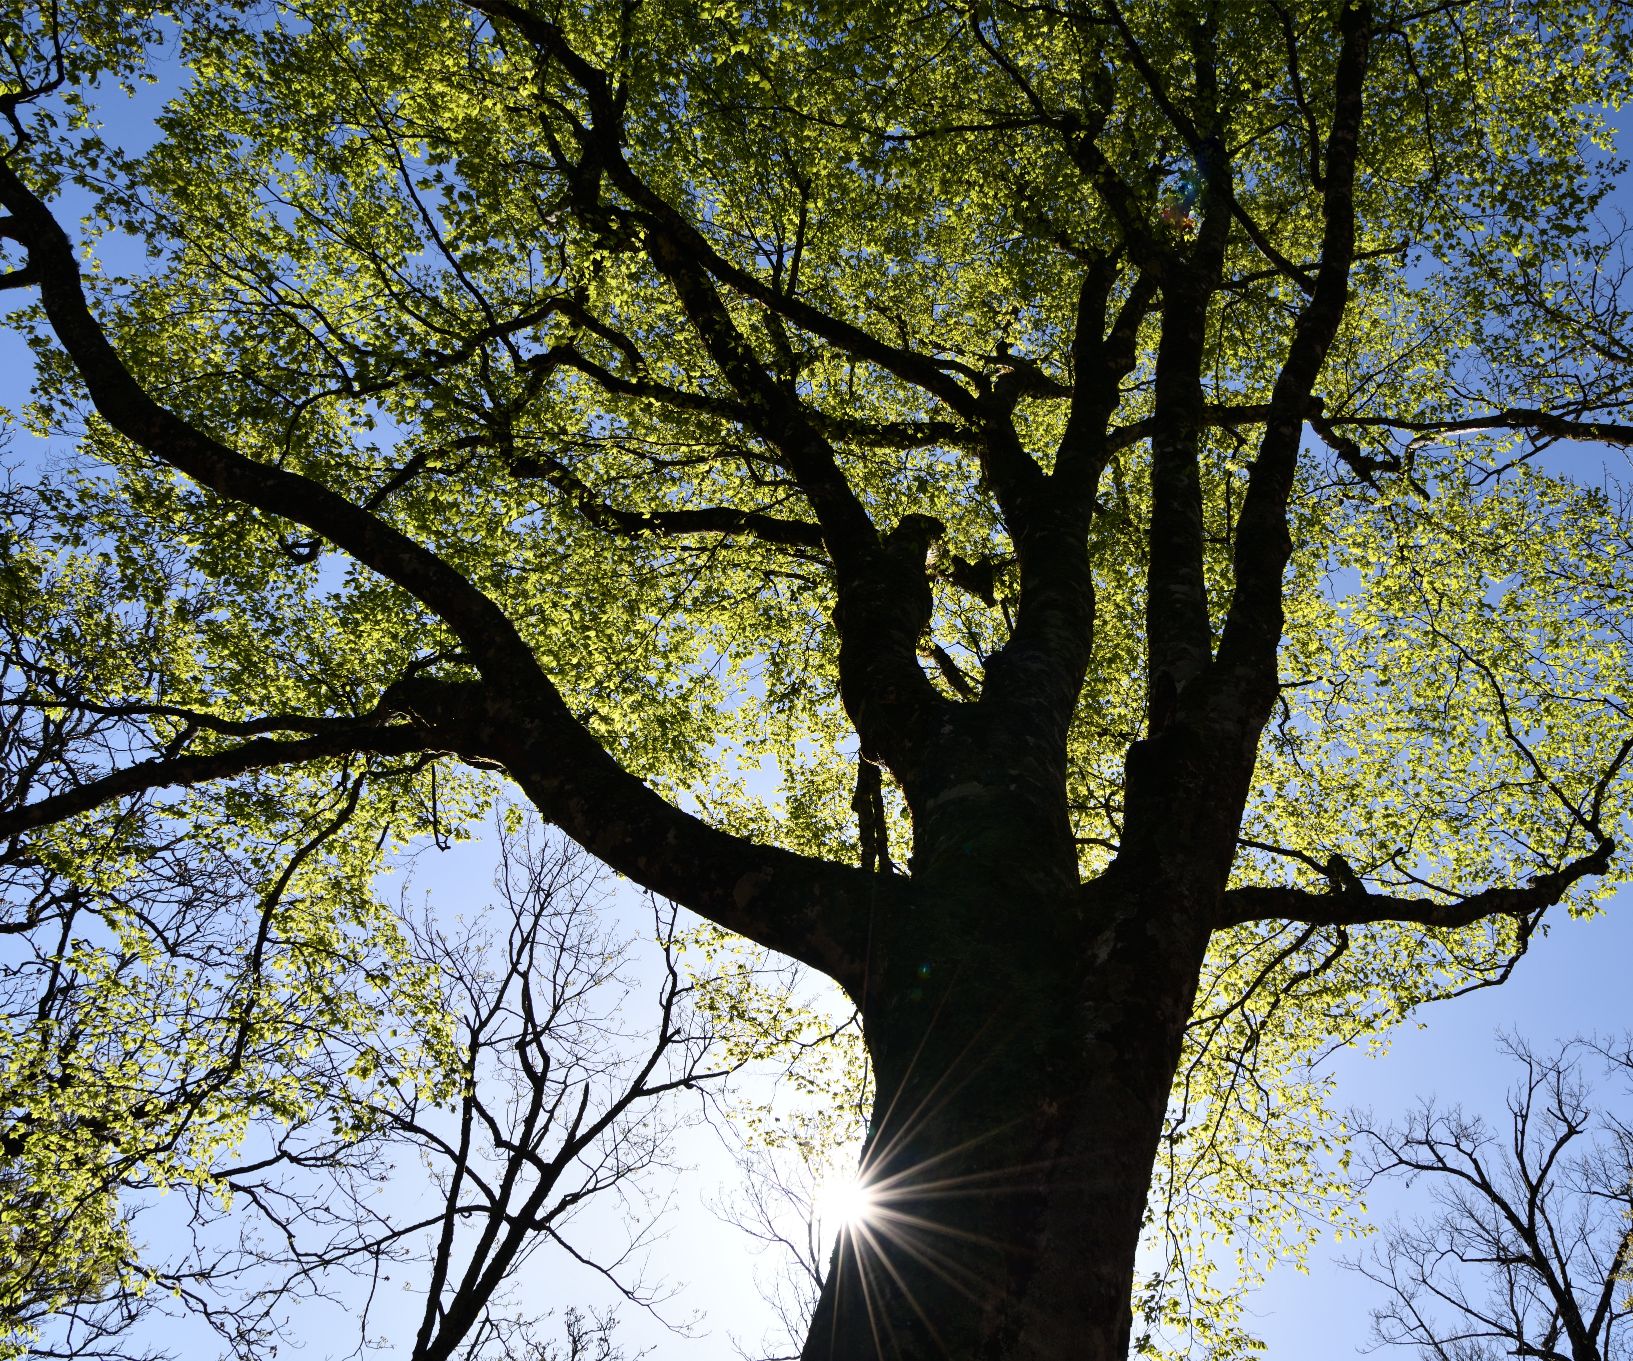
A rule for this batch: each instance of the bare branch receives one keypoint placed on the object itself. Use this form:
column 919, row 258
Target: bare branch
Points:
column 1357, row 905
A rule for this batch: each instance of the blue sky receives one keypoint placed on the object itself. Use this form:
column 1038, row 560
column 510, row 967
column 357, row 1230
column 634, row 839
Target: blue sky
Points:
column 1574, row 982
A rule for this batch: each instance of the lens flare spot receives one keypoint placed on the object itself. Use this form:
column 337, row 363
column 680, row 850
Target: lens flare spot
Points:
column 845, row 1202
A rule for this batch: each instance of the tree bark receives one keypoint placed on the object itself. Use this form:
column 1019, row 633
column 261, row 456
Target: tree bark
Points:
column 1024, row 1045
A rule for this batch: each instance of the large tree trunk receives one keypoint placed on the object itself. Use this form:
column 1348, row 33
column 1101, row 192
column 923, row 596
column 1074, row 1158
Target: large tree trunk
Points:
column 1024, row 1045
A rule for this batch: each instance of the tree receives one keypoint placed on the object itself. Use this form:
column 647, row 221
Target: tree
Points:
column 1529, row 1252
column 1085, row 452
column 378, row 1176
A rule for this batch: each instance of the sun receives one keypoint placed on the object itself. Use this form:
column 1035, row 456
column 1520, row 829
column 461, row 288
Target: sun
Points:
column 844, row 1202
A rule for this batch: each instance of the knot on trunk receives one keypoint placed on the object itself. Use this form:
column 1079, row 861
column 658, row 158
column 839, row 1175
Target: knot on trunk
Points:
column 913, row 537
column 431, row 701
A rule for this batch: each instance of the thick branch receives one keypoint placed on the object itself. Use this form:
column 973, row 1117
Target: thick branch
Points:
column 1011, row 471
column 1045, row 659
column 1179, row 636
column 1543, row 423
column 1200, row 149
column 1355, row 906
column 262, row 753
column 802, row 906
column 772, row 529
column 122, row 401
column 774, row 414
column 880, row 580
column 884, row 434
column 909, row 365
column 1101, row 360
column 883, row 592
column 1253, row 624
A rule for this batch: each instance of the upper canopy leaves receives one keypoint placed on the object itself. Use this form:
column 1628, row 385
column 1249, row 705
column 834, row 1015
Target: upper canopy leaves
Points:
column 405, row 256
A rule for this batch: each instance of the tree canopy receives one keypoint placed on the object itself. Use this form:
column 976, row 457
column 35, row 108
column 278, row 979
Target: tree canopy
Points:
column 1085, row 523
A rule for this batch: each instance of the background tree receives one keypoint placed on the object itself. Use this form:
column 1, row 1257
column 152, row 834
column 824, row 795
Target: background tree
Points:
column 1084, row 452
column 377, row 1187
column 799, row 1200
column 1528, row 1253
